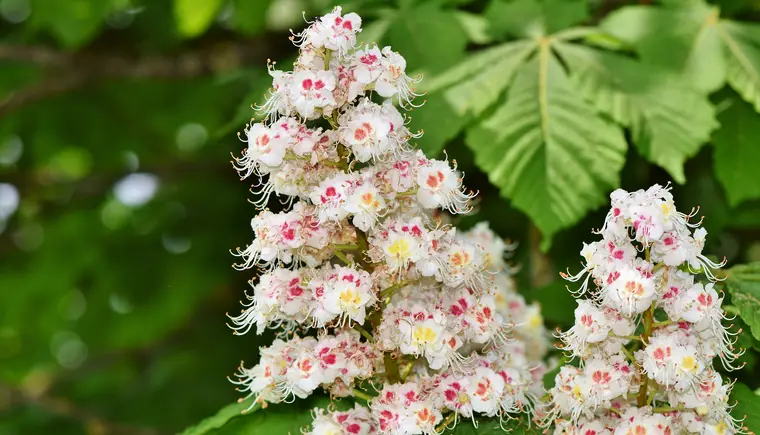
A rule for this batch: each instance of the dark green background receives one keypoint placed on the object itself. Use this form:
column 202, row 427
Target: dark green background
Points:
column 112, row 317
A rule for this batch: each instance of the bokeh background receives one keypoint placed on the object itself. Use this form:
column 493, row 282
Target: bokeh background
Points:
column 118, row 203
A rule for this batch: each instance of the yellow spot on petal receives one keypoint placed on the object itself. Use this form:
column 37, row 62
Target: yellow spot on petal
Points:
column 400, row 248
column 423, row 335
column 689, row 364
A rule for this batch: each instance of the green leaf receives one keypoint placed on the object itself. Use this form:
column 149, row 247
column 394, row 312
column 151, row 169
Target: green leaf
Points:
column 648, row 100
column 373, row 32
column 747, row 406
column 547, row 149
column 250, row 16
column 439, row 122
column 220, row 418
column 743, row 73
column 529, row 18
column 284, row 418
column 195, row 16
column 466, row 89
column 557, row 304
column 743, row 283
column 737, row 153
column 486, row 86
column 708, row 50
column 692, row 47
column 72, row 22
column 475, row 25
column 430, row 38
column 518, row 426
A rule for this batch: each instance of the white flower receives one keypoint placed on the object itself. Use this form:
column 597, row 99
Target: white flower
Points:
column 333, row 31
column 439, row 186
column 630, row 292
column 485, row 390
column 311, row 90
column 640, row 422
column 366, row 205
column 349, row 293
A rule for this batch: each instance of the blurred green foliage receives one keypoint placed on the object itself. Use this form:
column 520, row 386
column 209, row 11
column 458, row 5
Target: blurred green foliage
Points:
column 118, row 206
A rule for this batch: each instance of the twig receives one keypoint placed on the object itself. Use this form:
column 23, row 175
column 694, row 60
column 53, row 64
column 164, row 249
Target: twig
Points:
column 69, row 71
column 68, row 409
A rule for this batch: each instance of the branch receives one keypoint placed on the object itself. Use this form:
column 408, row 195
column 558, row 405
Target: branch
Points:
column 68, row 409
column 69, row 71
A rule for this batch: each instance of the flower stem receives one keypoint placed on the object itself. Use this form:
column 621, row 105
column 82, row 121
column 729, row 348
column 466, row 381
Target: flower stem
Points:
column 406, row 369
column 652, row 393
column 445, row 423
column 656, row 325
column 342, row 257
column 627, row 337
column 391, row 369
column 361, row 394
column 364, row 333
column 388, row 292
column 664, row 409
column 629, row 354
column 344, row 247
column 648, row 321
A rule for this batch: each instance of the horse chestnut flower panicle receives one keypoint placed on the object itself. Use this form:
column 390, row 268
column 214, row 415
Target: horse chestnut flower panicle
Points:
column 370, row 288
column 648, row 333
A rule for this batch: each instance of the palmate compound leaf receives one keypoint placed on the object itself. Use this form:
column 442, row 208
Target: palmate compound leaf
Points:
column 682, row 38
column 465, row 91
column 547, row 149
column 669, row 121
column 531, row 17
column 737, row 152
column 743, row 283
column 708, row 50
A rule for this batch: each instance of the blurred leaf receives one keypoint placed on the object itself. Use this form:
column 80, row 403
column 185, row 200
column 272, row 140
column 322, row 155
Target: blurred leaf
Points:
column 648, row 100
column 747, row 406
column 72, row 22
column 547, row 150
column 743, row 283
column 476, row 27
column 439, row 123
column 195, row 16
column 373, row 32
column 429, row 37
column 250, row 16
column 743, row 70
column 557, row 304
column 527, row 18
column 737, row 153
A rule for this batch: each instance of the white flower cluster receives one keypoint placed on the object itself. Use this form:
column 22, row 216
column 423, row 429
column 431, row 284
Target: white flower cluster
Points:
column 295, row 368
column 648, row 333
column 401, row 301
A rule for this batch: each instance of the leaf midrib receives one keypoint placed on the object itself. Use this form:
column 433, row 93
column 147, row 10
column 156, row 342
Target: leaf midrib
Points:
column 737, row 52
column 544, row 51
column 710, row 21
